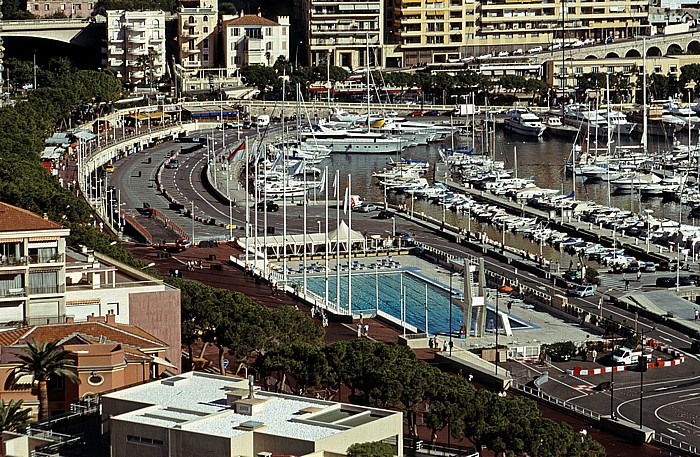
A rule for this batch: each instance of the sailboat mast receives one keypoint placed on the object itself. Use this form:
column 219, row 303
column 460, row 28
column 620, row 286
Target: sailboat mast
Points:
column 368, row 91
column 563, row 56
column 644, row 96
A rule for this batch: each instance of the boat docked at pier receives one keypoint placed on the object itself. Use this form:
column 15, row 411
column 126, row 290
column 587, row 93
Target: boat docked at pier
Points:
column 524, row 122
column 355, row 141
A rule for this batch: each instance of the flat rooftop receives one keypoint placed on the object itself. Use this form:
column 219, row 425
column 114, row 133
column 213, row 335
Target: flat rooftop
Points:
column 197, row 402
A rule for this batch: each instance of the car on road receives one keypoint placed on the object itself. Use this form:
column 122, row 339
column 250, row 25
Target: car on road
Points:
column 417, row 112
column 247, row 124
column 269, row 206
column 648, row 267
column 109, row 168
column 365, row 208
column 665, row 281
column 433, row 113
column 174, row 163
column 577, row 44
column 665, row 265
column 584, row 291
column 385, row 214
column 405, row 237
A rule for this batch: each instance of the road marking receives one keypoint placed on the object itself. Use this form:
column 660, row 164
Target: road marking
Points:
column 665, row 388
column 665, row 339
column 689, row 395
column 675, row 431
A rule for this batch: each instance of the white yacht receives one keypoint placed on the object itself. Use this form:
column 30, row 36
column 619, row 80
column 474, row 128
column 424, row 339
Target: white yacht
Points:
column 355, row 142
column 618, row 123
column 582, row 117
column 524, row 122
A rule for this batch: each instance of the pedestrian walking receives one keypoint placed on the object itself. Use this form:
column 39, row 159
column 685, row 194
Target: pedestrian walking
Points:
column 639, row 275
column 359, row 330
column 444, row 346
column 430, row 343
column 627, row 284
column 367, row 330
column 594, row 355
column 697, row 314
column 362, row 318
column 436, row 342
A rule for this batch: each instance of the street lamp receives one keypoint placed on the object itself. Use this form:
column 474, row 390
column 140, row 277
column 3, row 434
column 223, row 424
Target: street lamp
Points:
column 296, row 54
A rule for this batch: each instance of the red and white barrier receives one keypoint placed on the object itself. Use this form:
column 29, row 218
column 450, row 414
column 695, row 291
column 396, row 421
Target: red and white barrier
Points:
column 678, row 358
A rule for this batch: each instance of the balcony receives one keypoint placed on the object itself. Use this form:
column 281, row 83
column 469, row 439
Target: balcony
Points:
column 138, row 52
column 191, row 64
column 187, row 33
column 45, row 259
column 12, row 261
column 48, row 290
column 141, row 38
column 157, row 38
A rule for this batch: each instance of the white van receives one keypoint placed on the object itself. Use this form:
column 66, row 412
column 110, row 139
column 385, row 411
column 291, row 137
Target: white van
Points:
column 262, row 121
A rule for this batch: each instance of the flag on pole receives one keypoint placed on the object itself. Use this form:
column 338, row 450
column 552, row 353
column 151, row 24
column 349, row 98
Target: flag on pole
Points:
column 323, row 181
column 335, row 185
column 239, row 148
column 346, row 199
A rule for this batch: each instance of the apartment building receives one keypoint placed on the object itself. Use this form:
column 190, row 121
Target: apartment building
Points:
column 106, row 356
column 136, row 45
column 433, row 31
column 50, row 8
column 32, row 267
column 198, row 34
column 254, row 40
column 342, row 30
column 203, row 414
column 43, row 282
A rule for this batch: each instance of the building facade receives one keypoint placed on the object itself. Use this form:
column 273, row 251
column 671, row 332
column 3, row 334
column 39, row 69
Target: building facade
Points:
column 105, row 355
column 32, row 267
column 136, row 45
column 203, row 414
column 198, row 34
column 343, row 30
column 254, row 40
column 55, row 7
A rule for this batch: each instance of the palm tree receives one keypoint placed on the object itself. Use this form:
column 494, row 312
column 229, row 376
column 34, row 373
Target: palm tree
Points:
column 13, row 416
column 44, row 361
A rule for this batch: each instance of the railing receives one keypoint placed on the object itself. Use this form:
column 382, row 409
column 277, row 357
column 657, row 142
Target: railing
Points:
column 138, row 227
column 13, row 261
column 13, row 292
column 529, row 391
column 56, row 258
column 170, row 224
column 667, row 441
column 59, row 289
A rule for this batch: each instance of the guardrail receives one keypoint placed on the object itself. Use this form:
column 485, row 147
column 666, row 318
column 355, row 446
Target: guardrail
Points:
column 138, row 227
column 170, row 224
column 668, row 442
column 558, row 402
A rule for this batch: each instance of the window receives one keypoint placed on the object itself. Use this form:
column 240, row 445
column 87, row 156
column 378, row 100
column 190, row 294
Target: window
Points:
column 595, row 69
column 627, row 69
column 191, row 20
column 284, row 45
column 205, row 57
column 497, row 35
column 36, row 7
column 144, row 440
column 673, row 69
column 63, row 6
column 46, row 6
column 579, row 70
column 236, row 31
column 268, row 46
column 657, row 68
column 205, row 29
column 611, row 70
column 43, row 282
column 156, row 23
column 205, row 43
column 284, row 31
column 534, row 34
column 205, row 19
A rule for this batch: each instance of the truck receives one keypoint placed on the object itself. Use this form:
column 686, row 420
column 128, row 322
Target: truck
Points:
column 627, row 356
column 465, row 109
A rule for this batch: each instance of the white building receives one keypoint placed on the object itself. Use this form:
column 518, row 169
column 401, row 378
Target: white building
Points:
column 254, row 40
column 203, row 414
column 136, row 45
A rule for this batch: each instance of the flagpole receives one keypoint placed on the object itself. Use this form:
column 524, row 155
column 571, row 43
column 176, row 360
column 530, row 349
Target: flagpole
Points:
column 426, row 310
column 325, row 182
column 255, row 214
column 265, row 210
column 337, row 241
column 285, row 180
column 350, row 244
column 247, row 204
column 305, row 202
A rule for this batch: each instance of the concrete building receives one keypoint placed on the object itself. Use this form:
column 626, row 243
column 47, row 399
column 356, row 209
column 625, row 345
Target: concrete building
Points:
column 254, row 40
column 42, row 282
column 32, row 267
column 198, row 33
column 341, row 30
column 136, row 45
column 106, row 356
column 49, row 8
column 203, row 414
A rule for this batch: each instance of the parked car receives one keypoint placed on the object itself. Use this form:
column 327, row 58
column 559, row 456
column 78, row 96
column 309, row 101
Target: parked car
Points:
column 417, row 112
column 577, row 44
column 366, row 208
column 517, row 52
column 649, row 267
column 633, row 267
column 687, row 281
column 433, row 113
column 554, row 46
column 503, row 54
column 385, row 214
column 467, row 59
column 486, row 56
column 665, row 265
column 535, row 49
column 247, row 124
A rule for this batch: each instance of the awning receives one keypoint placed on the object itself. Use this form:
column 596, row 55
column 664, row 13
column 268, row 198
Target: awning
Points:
column 87, row 301
column 11, row 240
column 43, row 238
column 42, row 244
column 162, row 361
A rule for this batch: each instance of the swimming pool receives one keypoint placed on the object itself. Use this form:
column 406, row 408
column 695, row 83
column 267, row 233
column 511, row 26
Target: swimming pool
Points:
column 418, row 293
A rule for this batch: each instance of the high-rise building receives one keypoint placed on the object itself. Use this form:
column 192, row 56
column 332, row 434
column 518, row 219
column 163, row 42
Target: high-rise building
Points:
column 342, row 30
column 136, row 45
column 198, row 34
column 254, row 40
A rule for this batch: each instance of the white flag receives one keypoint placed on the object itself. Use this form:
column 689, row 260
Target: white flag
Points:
column 346, row 200
column 323, row 181
column 335, row 184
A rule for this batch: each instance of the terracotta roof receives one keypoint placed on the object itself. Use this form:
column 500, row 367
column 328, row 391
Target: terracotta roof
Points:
column 9, row 336
column 250, row 19
column 121, row 333
column 14, row 219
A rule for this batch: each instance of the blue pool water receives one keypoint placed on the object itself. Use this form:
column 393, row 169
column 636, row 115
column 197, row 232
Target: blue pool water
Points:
column 388, row 284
